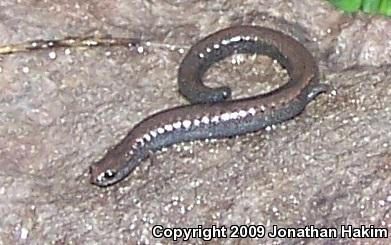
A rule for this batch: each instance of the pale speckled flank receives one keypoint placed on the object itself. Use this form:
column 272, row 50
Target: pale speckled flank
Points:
column 187, row 124
column 225, row 42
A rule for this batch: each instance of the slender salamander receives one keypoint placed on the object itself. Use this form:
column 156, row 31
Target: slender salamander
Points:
column 211, row 115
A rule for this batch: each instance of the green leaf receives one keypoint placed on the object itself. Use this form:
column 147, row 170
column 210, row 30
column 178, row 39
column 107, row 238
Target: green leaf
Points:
column 385, row 7
column 347, row 5
column 371, row 6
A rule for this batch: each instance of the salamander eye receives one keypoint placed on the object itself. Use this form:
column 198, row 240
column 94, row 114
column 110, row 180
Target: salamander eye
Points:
column 226, row 92
column 106, row 175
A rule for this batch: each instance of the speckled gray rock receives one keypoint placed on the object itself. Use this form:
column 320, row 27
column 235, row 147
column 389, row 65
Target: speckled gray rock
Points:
column 60, row 111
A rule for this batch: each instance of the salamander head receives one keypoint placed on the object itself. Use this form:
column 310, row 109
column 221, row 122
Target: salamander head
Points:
column 109, row 170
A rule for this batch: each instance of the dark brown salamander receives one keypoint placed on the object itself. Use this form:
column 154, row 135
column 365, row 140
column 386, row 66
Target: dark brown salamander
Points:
column 210, row 116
